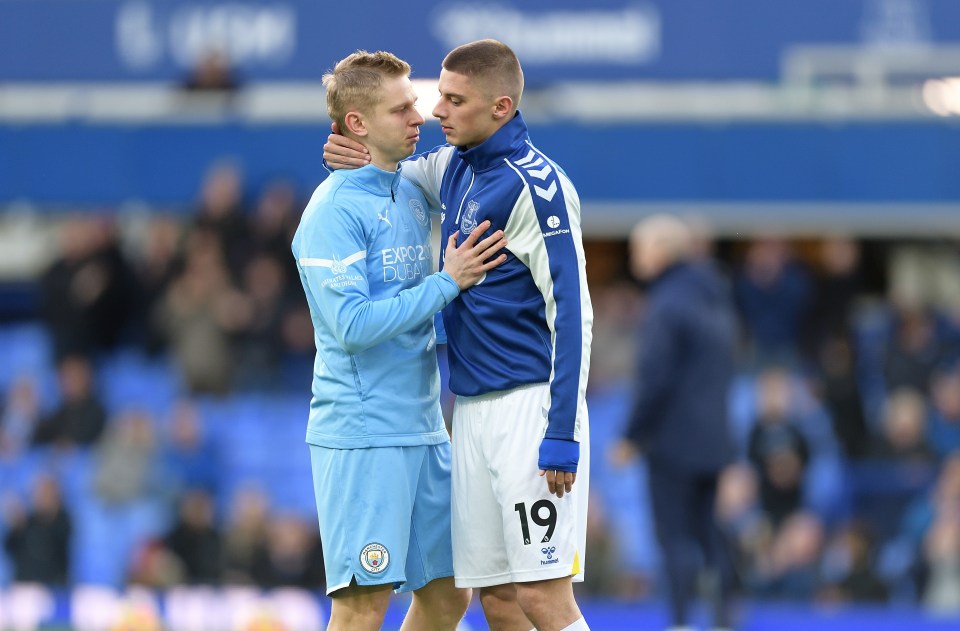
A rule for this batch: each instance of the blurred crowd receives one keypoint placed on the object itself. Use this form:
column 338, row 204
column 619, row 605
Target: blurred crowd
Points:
column 846, row 415
column 218, row 295
column 846, row 411
column 219, row 292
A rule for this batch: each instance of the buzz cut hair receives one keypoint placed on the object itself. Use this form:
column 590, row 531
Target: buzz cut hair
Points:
column 354, row 82
column 492, row 63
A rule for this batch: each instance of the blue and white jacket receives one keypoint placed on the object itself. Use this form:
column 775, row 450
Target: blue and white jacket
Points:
column 530, row 320
column 363, row 250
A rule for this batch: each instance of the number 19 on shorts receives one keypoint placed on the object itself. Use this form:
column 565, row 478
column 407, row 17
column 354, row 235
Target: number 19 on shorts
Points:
column 536, row 515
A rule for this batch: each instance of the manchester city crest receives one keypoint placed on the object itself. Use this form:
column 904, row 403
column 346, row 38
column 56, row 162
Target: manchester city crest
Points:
column 418, row 211
column 374, row 558
column 468, row 222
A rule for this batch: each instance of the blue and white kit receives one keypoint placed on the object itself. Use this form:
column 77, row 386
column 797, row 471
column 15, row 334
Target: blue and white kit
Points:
column 528, row 322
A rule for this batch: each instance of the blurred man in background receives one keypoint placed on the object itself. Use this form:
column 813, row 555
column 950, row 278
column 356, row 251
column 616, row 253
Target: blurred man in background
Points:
column 679, row 418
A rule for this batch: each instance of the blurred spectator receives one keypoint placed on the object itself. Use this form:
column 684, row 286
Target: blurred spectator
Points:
column 127, row 468
column 837, row 387
column 926, row 273
column 944, row 428
column 838, row 287
column 274, row 222
column 260, row 335
column 786, row 394
column 679, row 420
column 38, row 542
column 159, row 264
column 292, row 555
column 903, row 429
column 915, row 349
column 849, row 567
column 778, row 449
column 21, row 413
column 80, row 418
column 942, row 559
column 221, row 211
column 791, row 570
column 199, row 315
column 943, row 499
column 153, row 565
column 245, row 538
column 86, row 292
column 741, row 517
column 775, row 295
column 910, row 551
column 195, row 540
column 190, row 458
column 212, row 73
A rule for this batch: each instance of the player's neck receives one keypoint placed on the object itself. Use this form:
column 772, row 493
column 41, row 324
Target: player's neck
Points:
column 382, row 162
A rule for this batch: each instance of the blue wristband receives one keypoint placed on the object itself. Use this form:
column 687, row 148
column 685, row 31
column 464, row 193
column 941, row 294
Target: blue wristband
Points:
column 557, row 454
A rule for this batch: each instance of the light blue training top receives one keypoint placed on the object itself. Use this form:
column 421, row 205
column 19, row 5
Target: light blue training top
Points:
column 363, row 251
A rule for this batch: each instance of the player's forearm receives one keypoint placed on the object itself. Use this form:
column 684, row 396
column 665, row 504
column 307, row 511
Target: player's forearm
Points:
column 571, row 364
column 368, row 323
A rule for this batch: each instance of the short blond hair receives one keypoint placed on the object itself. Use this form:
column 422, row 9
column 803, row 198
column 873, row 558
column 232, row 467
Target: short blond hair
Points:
column 491, row 63
column 354, row 82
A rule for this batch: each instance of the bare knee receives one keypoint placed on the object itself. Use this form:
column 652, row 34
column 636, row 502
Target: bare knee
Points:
column 442, row 603
column 461, row 600
column 359, row 608
column 443, row 600
column 549, row 604
column 533, row 598
column 499, row 604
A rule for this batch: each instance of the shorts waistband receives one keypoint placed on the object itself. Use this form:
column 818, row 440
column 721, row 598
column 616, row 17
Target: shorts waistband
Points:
column 500, row 394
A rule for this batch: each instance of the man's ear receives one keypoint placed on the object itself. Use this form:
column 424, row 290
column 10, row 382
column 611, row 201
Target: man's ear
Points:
column 355, row 124
column 502, row 107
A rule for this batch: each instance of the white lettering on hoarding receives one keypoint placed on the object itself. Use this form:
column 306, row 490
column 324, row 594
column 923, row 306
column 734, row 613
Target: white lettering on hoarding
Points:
column 628, row 35
column 246, row 33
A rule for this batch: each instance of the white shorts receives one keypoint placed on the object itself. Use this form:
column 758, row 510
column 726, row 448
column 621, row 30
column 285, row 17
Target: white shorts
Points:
column 507, row 528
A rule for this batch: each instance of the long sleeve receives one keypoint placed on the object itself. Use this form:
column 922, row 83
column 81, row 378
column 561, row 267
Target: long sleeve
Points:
column 544, row 234
column 333, row 263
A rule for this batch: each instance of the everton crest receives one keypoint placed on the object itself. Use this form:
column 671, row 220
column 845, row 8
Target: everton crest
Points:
column 468, row 223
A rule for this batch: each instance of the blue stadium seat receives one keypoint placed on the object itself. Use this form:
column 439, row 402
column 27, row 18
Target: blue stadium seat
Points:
column 25, row 348
column 127, row 378
column 107, row 536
